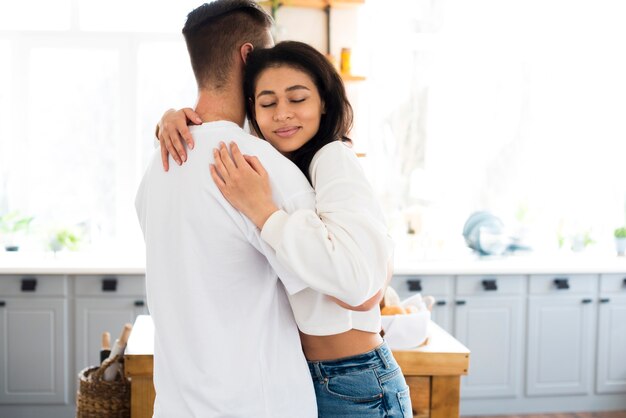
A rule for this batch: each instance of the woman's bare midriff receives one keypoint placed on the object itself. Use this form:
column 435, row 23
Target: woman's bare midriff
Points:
column 346, row 344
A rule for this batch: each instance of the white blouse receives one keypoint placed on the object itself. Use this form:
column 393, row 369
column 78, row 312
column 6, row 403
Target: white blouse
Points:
column 341, row 249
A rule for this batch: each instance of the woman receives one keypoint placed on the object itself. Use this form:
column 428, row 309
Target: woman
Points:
column 296, row 101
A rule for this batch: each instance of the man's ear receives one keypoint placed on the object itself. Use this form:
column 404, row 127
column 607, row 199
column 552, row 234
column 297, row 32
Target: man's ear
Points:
column 245, row 50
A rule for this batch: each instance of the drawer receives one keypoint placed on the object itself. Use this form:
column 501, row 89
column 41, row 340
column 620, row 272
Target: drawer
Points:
column 407, row 285
column 33, row 285
column 110, row 285
column 563, row 283
column 486, row 284
column 613, row 283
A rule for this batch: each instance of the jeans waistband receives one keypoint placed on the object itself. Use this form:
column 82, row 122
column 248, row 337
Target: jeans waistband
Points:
column 380, row 357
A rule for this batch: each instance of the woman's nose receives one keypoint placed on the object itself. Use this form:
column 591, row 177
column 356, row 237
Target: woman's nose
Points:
column 282, row 113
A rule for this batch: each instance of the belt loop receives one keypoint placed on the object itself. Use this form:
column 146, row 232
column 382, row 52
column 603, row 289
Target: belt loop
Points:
column 318, row 371
column 382, row 356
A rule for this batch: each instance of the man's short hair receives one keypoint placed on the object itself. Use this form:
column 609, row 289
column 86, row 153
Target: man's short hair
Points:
column 215, row 31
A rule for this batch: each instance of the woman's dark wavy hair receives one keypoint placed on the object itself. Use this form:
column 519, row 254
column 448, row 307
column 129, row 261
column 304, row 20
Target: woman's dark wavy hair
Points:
column 335, row 122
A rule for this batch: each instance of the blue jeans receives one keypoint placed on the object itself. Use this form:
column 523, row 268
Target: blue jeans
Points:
column 365, row 385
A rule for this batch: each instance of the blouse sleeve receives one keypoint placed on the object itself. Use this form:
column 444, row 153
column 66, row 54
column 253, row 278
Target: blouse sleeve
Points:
column 342, row 247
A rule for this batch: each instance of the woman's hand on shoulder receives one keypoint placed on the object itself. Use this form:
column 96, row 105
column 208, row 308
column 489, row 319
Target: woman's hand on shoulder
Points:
column 172, row 130
column 243, row 181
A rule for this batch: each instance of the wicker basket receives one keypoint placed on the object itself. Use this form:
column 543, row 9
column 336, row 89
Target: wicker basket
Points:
column 98, row 398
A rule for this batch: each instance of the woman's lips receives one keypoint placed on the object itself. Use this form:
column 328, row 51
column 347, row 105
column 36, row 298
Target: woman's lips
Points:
column 287, row 131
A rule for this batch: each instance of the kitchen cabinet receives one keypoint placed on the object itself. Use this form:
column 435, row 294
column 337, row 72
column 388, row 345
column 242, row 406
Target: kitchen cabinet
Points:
column 104, row 303
column 488, row 320
column 441, row 287
column 611, row 357
column 33, row 340
column 68, row 290
column 50, row 329
column 561, row 317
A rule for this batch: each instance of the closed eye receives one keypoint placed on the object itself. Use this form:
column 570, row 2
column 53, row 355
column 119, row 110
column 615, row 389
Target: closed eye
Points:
column 265, row 105
column 298, row 100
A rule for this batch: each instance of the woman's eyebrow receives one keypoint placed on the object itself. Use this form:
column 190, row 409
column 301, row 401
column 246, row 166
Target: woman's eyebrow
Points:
column 296, row 87
column 292, row 88
column 264, row 92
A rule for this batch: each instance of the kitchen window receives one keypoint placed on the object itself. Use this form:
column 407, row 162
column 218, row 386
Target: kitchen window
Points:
column 81, row 92
column 506, row 105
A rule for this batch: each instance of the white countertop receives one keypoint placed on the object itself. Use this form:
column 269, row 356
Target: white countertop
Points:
column 120, row 264
column 527, row 264
column 70, row 263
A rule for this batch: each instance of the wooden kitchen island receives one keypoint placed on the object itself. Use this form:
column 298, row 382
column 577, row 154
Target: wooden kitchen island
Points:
column 433, row 372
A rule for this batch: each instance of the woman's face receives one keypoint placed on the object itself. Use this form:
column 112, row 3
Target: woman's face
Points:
column 288, row 107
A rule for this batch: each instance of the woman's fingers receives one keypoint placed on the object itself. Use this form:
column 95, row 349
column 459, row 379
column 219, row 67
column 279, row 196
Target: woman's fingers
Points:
column 164, row 158
column 219, row 164
column 166, row 141
column 240, row 162
column 232, row 167
column 256, row 165
column 166, row 130
column 246, row 160
column 216, row 178
column 194, row 118
column 176, row 133
column 226, row 159
column 242, row 185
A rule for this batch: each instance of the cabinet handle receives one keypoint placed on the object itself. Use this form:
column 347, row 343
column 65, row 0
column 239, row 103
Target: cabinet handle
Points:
column 440, row 303
column 490, row 285
column 624, row 282
column 586, row 301
column 2, row 304
column 109, row 284
column 29, row 284
column 561, row 283
column 460, row 302
column 140, row 303
column 605, row 300
column 415, row 285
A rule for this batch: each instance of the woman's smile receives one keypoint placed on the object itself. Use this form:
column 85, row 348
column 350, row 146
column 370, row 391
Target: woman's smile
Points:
column 287, row 131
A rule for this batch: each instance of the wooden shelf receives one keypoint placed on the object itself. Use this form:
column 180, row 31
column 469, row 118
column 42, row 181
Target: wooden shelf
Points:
column 351, row 77
column 317, row 4
column 326, row 6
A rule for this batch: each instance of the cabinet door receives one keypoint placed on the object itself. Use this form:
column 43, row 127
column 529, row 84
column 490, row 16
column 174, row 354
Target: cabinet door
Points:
column 491, row 328
column 611, row 377
column 440, row 287
column 559, row 345
column 33, row 351
column 94, row 316
column 442, row 312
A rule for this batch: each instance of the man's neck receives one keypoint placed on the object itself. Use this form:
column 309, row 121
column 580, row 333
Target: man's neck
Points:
column 225, row 105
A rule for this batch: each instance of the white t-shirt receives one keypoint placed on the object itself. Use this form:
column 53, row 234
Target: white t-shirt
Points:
column 340, row 249
column 226, row 343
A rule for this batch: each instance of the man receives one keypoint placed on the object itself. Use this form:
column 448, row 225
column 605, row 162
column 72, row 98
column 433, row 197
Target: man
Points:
column 226, row 343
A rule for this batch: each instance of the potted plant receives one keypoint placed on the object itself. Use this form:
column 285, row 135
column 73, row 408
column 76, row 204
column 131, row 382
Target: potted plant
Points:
column 620, row 240
column 274, row 6
column 278, row 31
column 64, row 238
column 12, row 226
